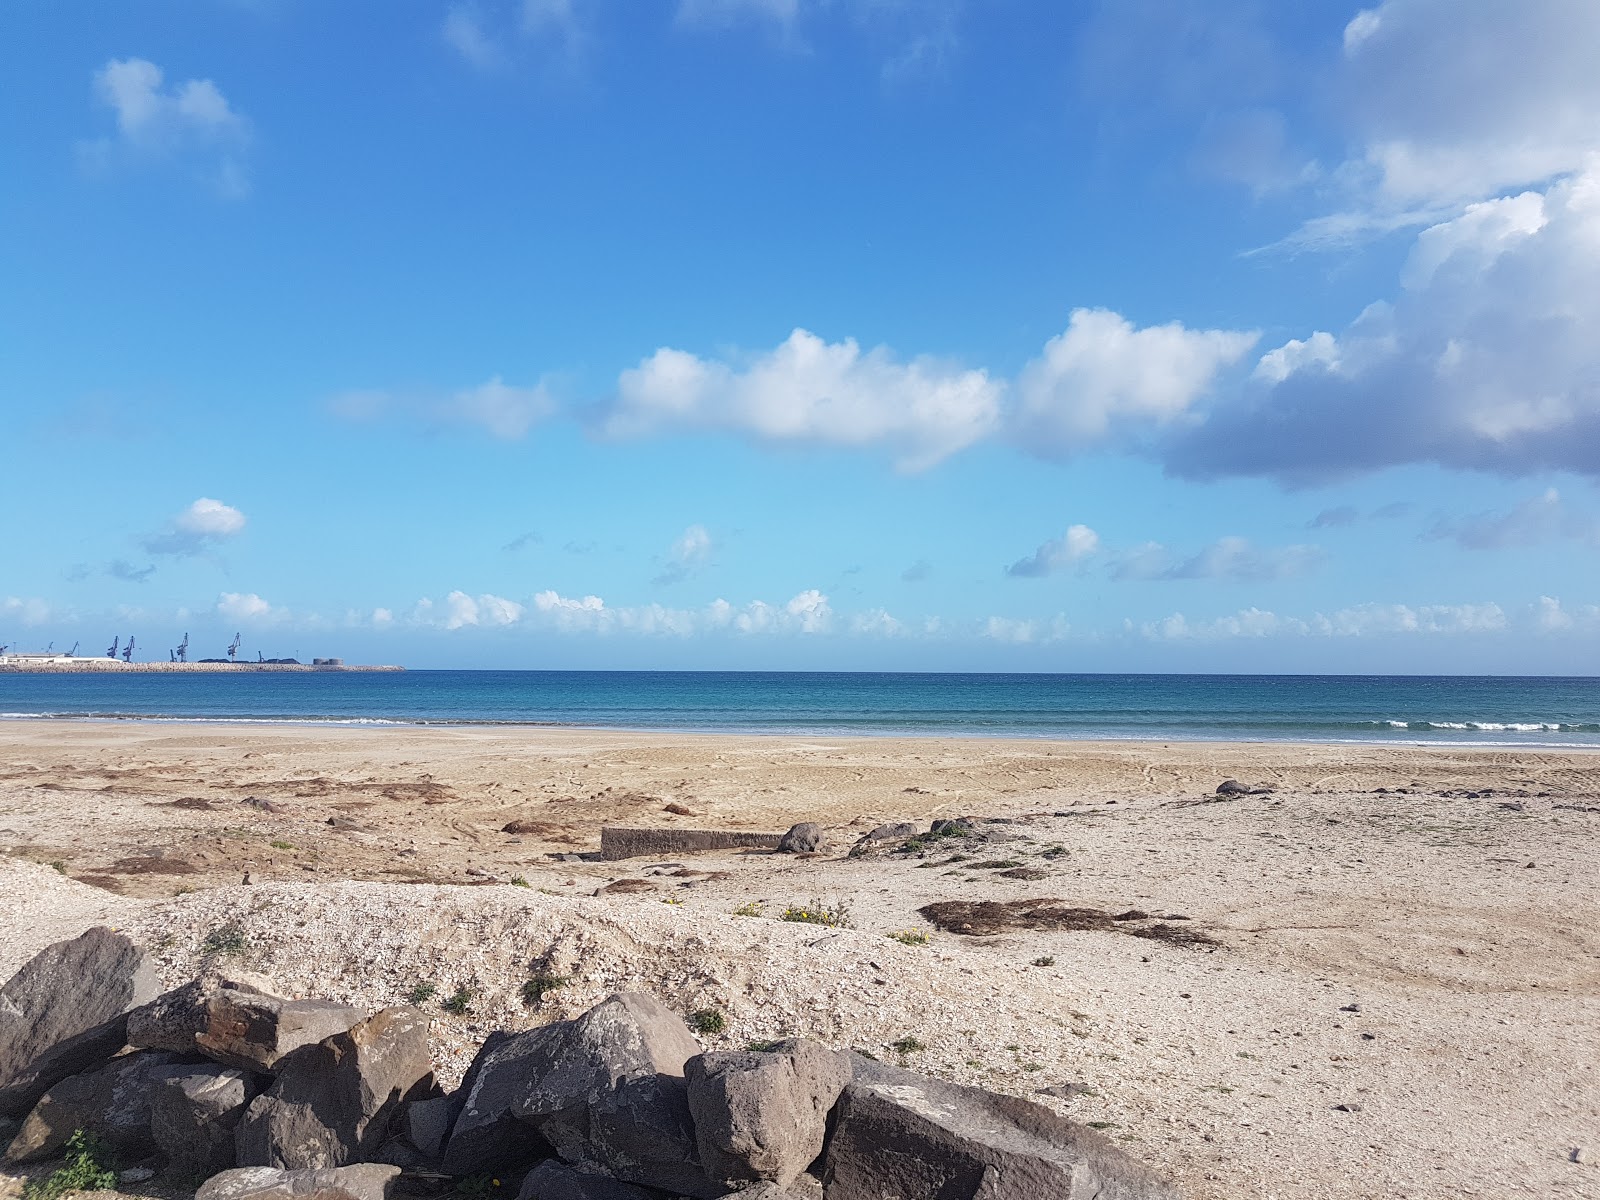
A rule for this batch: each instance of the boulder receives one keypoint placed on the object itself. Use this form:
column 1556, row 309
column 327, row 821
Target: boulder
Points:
column 112, row 1102
column 953, row 827
column 890, row 831
column 806, row 1187
column 253, row 1031
column 426, row 1123
column 804, row 838
column 331, row 1103
column 608, row 1088
column 763, row 1115
column 66, row 1011
column 1232, row 787
column 486, row 1135
column 365, row 1181
column 898, row 1133
column 172, row 1020
column 553, row 1181
column 194, row 1111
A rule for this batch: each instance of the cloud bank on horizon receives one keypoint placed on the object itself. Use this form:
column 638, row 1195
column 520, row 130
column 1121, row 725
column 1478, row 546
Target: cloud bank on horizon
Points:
column 1319, row 365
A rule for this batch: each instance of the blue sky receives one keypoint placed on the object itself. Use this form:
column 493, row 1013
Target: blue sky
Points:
column 848, row 334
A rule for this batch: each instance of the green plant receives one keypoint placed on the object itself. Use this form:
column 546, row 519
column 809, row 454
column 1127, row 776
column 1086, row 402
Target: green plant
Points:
column 818, row 913
column 1047, row 960
column 761, row 1047
column 227, row 938
column 281, row 845
column 708, row 1020
column 60, row 865
column 672, row 900
column 752, row 909
column 910, row 937
column 476, row 1187
column 1101, row 1124
column 519, row 881
column 89, row 1167
column 459, row 1002
column 906, row 1045
column 422, row 992
column 534, row 989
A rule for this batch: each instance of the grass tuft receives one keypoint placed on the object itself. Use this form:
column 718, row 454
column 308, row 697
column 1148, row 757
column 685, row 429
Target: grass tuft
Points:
column 818, row 913
column 708, row 1020
column 459, row 1002
column 225, row 939
column 534, row 990
column 910, row 937
column 422, row 992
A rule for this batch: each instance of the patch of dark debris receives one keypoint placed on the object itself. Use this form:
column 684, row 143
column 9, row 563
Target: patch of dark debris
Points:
column 977, row 918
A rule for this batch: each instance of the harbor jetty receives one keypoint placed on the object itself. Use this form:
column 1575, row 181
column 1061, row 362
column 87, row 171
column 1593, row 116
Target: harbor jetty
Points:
column 50, row 664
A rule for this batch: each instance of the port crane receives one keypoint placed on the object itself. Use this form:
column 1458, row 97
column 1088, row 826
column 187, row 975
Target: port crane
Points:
column 127, row 651
column 181, row 654
column 73, row 653
column 233, row 647
column 111, row 651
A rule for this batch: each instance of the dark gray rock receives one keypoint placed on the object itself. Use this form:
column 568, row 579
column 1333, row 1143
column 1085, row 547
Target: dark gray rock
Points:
column 763, row 1115
column 1231, row 787
column 332, row 1103
column 890, row 831
column 486, row 1135
column 194, row 1111
column 806, row 1187
column 365, row 1181
column 112, row 1102
column 954, row 827
column 253, row 1031
column 608, row 1088
column 804, row 838
column 427, row 1123
column 897, row 1133
column 66, row 1011
column 172, row 1020
column 554, row 1181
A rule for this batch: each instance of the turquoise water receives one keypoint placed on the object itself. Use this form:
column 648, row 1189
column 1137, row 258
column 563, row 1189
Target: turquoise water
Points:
column 1434, row 710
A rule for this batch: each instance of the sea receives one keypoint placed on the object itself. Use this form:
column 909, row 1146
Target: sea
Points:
column 1408, row 709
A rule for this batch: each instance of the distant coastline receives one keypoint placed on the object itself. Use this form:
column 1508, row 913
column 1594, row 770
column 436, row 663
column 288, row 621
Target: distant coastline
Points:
column 85, row 666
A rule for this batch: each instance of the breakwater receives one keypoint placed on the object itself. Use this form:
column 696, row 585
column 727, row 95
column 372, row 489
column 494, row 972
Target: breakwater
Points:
column 83, row 666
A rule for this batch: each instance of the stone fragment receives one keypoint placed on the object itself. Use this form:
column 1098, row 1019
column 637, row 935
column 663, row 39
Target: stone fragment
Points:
column 889, row 831
column 331, row 1103
column 173, row 1019
column 66, row 1011
column 762, row 1115
column 194, row 1111
column 136, row 1175
column 112, row 1102
column 551, row 1180
column 365, row 1181
column 252, row 1031
column 1581, row 1155
column 804, row 838
column 898, row 1133
column 426, row 1123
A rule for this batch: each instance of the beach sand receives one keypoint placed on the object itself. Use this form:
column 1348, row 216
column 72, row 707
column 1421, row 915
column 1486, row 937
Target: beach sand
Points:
column 1401, row 994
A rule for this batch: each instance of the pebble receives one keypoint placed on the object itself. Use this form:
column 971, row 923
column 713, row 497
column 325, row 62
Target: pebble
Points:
column 1582, row 1154
column 1347, row 1107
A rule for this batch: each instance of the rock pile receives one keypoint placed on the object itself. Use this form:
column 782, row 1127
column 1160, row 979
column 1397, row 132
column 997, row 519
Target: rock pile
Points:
column 274, row 1099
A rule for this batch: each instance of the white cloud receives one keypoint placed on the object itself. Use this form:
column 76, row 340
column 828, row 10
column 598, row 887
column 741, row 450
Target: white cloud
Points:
column 249, row 609
column 811, row 391
column 1551, row 617
column 29, row 611
column 1366, row 620
column 202, row 526
column 506, row 412
column 876, row 622
column 1533, row 522
column 689, row 553
column 191, row 120
column 1104, row 377
column 1226, row 558
column 1078, row 543
column 1021, row 632
column 462, row 610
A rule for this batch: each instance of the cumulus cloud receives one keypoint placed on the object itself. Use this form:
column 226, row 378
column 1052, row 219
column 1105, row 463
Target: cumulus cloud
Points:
column 29, row 611
column 808, row 390
column 1487, row 359
column 1551, row 617
column 203, row 526
column 1078, row 543
column 1105, row 379
column 247, row 608
column 1366, row 620
column 1233, row 558
column 1533, row 522
column 1020, row 632
column 191, row 121
column 506, row 412
column 689, row 553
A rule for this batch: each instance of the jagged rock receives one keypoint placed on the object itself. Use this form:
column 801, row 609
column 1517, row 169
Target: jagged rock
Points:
column 365, row 1181
column 804, row 838
column 889, row 831
column 426, row 1123
column 763, row 1115
column 172, row 1020
column 112, row 1102
column 898, row 1133
column 194, row 1111
column 954, row 827
column 553, row 1181
column 609, row 1089
column 485, row 1135
column 66, row 1011
column 806, row 1187
column 253, row 1031
column 331, row 1103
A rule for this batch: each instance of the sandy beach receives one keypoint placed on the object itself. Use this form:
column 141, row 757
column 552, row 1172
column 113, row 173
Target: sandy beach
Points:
column 1393, row 987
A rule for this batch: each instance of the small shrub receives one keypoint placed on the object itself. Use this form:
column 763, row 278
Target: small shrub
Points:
column 910, row 937
column 533, row 991
column 225, row 939
column 672, row 900
column 818, row 913
column 459, row 1002
column 906, row 1045
column 475, row 1187
column 1101, row 1124
column 281, row 845
column 1047, row 960
column 520, row 881
column 89, row 1167
column 422, row 992
column 708, row 1020
column 761, row 1047
column 752, row 909
column 60, row 865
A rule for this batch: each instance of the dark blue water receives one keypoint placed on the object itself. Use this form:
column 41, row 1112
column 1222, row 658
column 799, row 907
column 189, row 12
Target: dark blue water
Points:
column 1463, row 710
